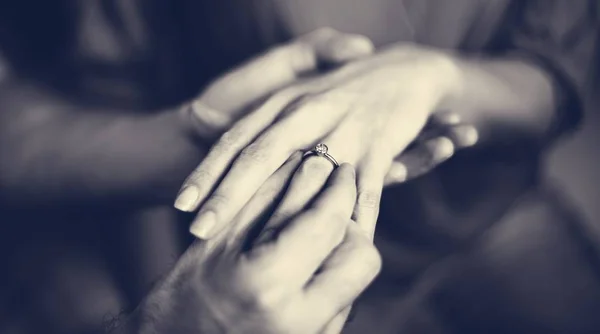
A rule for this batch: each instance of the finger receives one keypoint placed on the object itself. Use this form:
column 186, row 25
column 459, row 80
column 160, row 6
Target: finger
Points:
column 282, row 66
column 310, row 238
column 333, row 47
column 204, row 178
column 308, row 181
column 345, row 274
column 259, row 159
column 201, row 182
column 371, row 176
column 463, row 135
column 444, row 118
column 263, row 201
column 336, row 325
column 419, row 160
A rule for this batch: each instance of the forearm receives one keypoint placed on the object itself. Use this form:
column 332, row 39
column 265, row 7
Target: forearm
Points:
column 54, row 152
column 503, row 97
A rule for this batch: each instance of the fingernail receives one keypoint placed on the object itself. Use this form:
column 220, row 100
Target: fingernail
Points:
column 204, row 224
column 441, row 149
column 466, row 135
column 187, row 199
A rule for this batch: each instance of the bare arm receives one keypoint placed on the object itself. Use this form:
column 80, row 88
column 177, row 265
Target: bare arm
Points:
column 53, row 151
column 536, row 70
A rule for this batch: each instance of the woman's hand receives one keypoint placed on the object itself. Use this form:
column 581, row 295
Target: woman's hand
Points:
column 296, row 283
column 367, row 113
column 444, row 134
column 233, row 95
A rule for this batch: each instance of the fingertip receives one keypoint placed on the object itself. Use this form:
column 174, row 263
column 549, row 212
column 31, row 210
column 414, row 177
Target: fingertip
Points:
column 441, row 148
column 204, row 225
column 466, row 135
column 187, row 199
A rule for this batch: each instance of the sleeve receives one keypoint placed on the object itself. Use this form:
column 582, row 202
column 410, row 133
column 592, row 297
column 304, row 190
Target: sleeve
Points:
column 560, row 37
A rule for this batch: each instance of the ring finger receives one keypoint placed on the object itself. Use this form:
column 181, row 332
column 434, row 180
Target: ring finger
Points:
column 308, row 181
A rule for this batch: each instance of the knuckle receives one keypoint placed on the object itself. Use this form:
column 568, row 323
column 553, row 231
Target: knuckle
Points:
column 260, row 296
column 229, row 140
column 279, row 217
column 335, row 222
column 368, row 199
column 218, row 202
column 198, row 176
column 255, row 152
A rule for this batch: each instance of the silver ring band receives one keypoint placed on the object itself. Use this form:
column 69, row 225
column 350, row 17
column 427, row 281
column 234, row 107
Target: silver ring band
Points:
column 321, row 151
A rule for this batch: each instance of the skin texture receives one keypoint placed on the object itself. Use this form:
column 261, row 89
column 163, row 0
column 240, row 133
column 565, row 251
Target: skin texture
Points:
column 103, row 158
column 91, row 155
column 258, row 287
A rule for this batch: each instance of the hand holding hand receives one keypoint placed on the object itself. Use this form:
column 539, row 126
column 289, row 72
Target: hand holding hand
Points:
column 367, row 113
column 297, row 282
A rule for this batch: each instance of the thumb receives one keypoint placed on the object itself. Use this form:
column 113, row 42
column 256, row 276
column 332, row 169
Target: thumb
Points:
column 282, row 66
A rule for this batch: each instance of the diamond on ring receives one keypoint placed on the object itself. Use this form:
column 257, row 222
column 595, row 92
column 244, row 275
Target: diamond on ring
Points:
column 321, row 150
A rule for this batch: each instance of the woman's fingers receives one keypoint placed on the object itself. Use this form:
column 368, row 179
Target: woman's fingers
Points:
column 444, row 134
column 450, row 124
column 310, row 238
column 263, row 201
column 419, row 160
column 258, row 160
column 370, row 181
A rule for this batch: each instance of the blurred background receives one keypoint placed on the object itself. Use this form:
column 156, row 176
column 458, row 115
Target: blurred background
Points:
column 574, row 164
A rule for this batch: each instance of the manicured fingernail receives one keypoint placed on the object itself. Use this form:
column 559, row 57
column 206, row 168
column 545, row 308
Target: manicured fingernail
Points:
column 187, row 200
column 204, row 224
column 441, row 148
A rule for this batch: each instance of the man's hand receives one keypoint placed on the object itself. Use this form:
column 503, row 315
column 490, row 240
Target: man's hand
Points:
column 296, row 281
column 231, row 96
